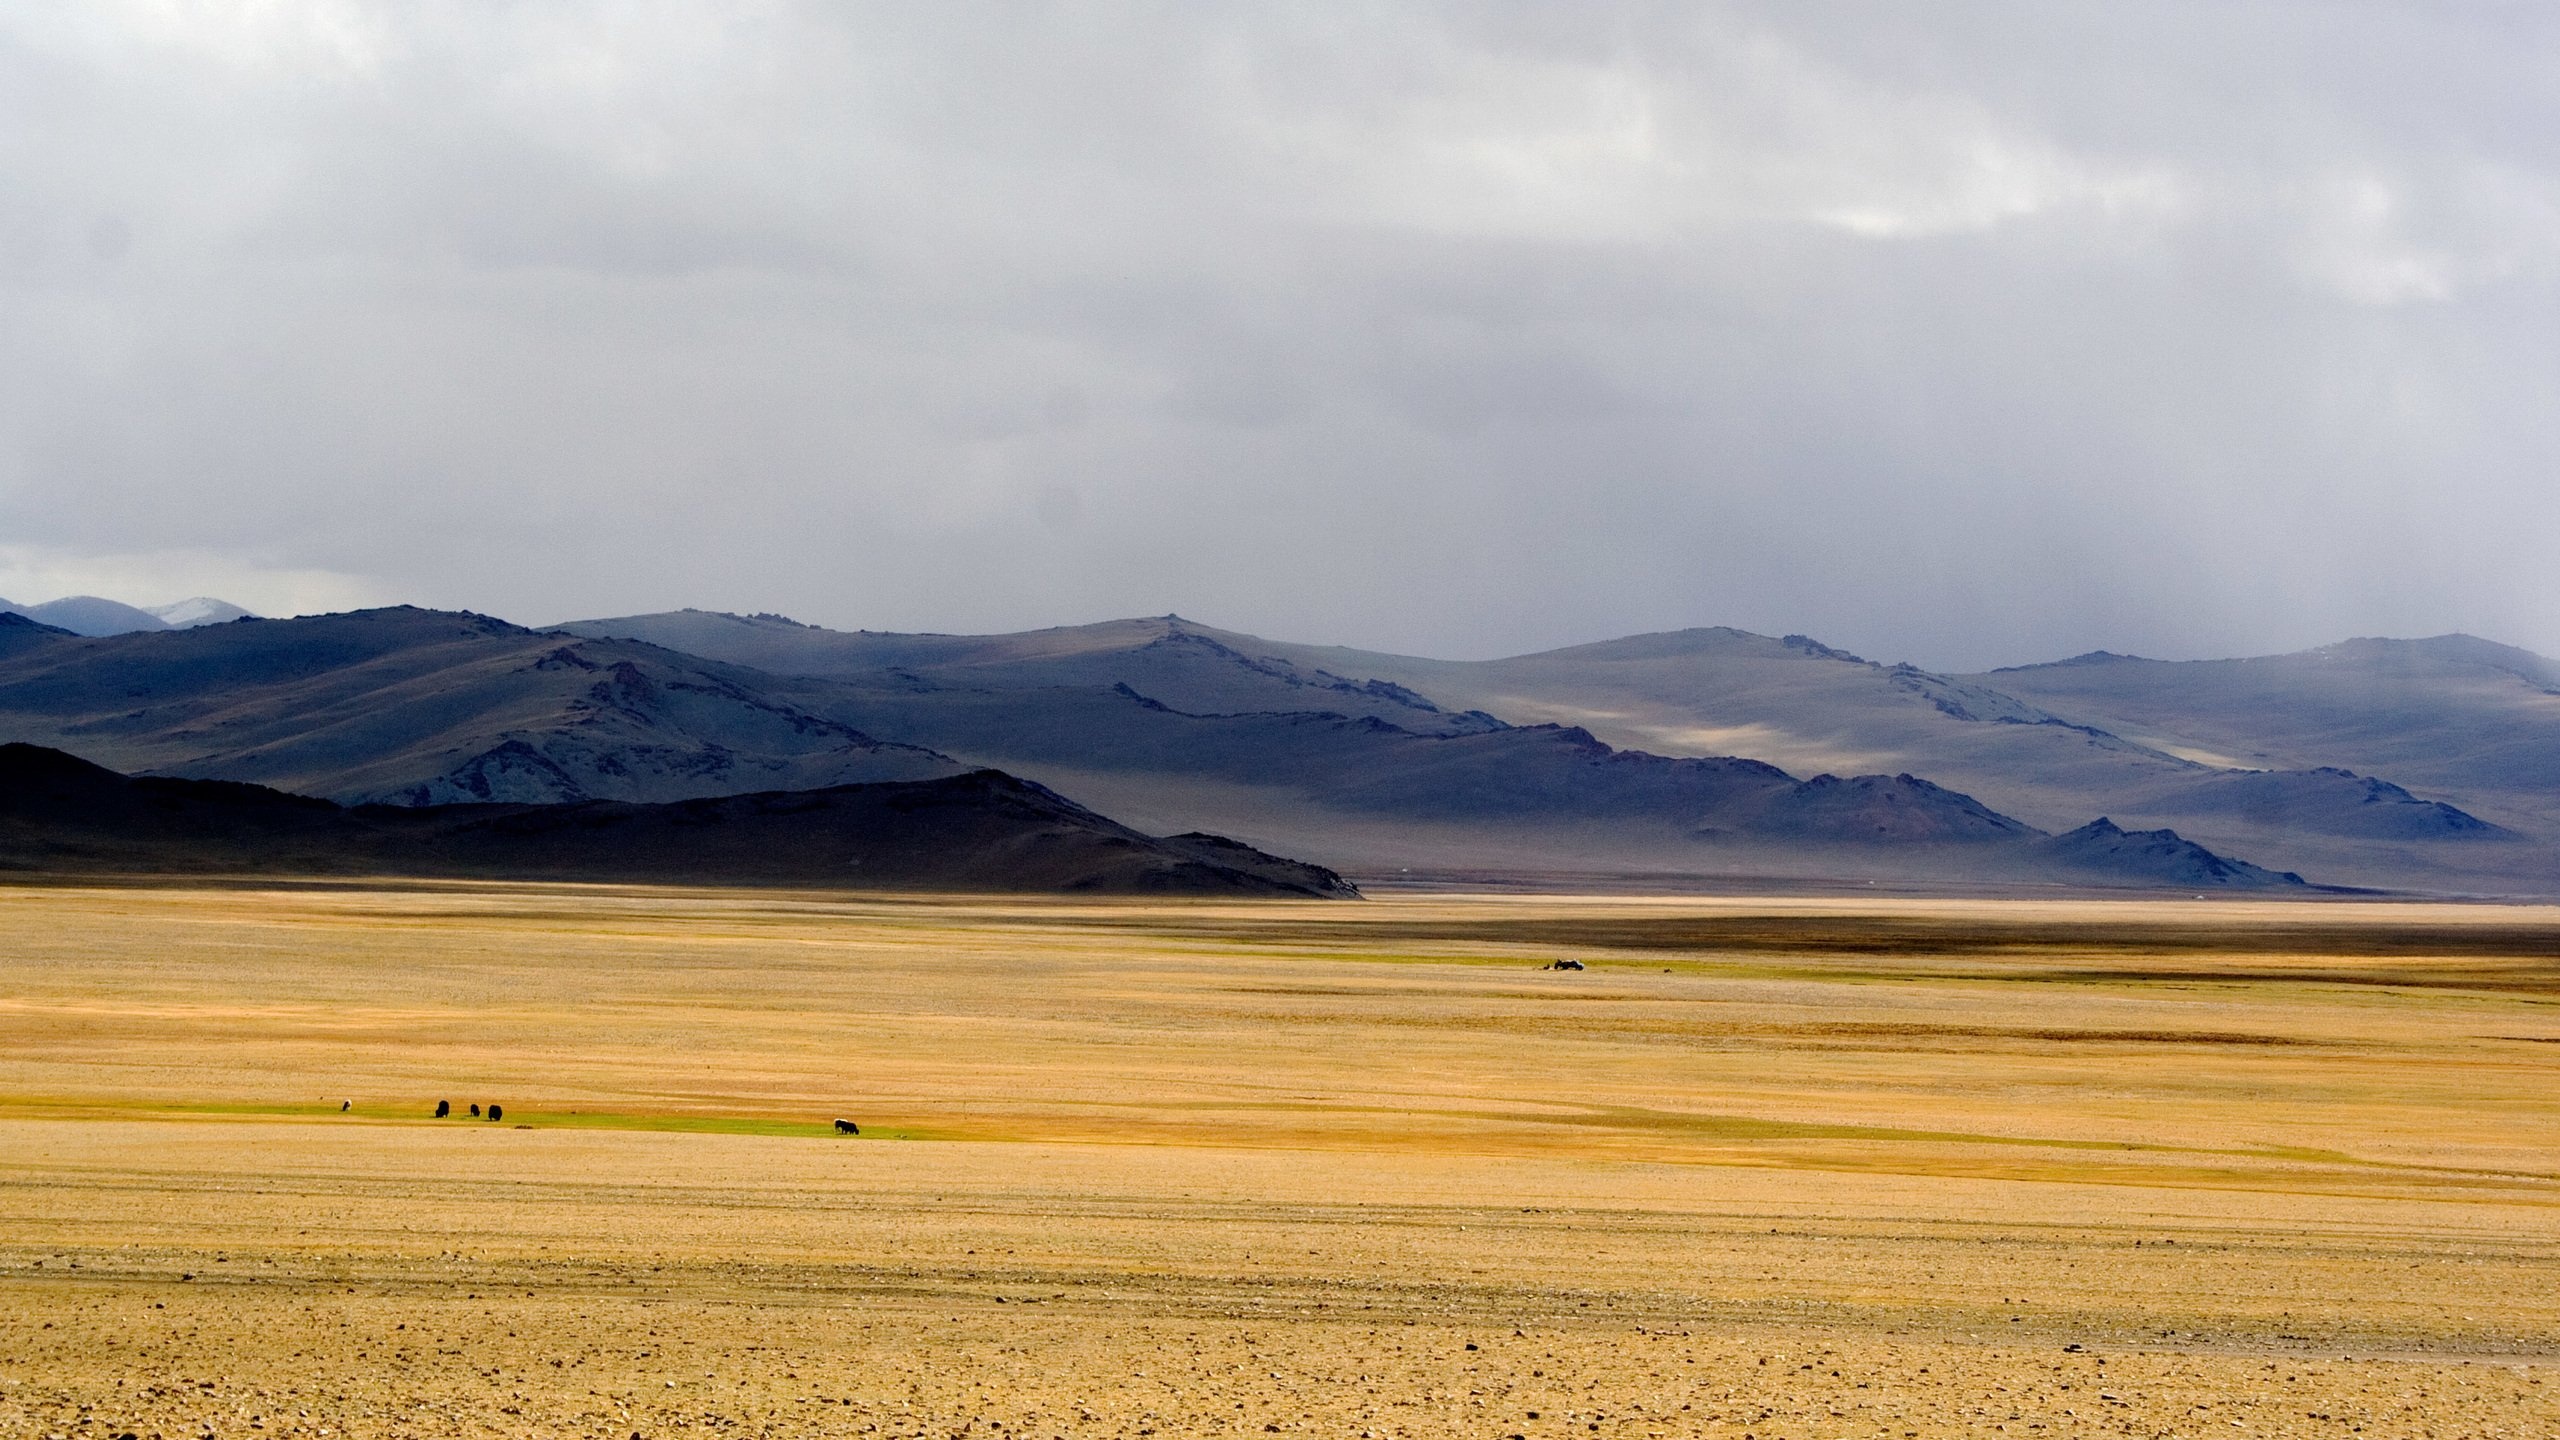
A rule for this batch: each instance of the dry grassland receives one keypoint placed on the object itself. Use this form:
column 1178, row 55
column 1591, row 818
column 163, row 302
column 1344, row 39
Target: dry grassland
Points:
column 1776, row 1169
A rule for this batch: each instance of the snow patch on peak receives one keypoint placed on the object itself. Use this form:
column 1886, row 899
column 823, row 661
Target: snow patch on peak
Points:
column 198, row 610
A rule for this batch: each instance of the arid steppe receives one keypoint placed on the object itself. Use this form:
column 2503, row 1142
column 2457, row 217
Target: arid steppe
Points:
column 1776, row 1168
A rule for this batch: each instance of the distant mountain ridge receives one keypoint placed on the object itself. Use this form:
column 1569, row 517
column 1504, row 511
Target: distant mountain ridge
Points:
column 2366, row 704
column 96, row 615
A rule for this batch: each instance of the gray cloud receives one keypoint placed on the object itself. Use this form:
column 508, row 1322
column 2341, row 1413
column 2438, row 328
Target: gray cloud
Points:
column 1963, row 334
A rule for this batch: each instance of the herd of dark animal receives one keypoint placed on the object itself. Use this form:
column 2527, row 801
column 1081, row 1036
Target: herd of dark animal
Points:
column 444, row 1109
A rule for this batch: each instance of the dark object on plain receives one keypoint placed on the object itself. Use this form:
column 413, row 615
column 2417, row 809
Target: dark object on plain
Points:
column 475, row 1111
column 497, row 1112
column 1564, row 965
column 847, row 1127
column 443, row 1108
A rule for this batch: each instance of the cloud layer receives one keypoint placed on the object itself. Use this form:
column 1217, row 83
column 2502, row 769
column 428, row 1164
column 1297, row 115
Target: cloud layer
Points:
column 1965, row 335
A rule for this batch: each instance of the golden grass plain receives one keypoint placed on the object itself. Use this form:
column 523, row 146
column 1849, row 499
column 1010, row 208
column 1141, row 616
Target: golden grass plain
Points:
column 1803, row 1168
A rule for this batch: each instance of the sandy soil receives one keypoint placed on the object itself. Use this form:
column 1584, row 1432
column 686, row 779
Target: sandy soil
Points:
column 1774, row 1169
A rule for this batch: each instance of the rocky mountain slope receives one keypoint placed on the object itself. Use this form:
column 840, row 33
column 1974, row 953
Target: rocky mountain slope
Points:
column 421, row 707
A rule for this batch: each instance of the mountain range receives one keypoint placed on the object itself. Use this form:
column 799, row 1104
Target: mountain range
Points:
column 94, row 615
column 2429, row 763
column 1599, row 764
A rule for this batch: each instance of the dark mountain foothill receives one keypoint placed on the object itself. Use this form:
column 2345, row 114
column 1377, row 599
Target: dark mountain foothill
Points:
column 2159, row 856
column 981, row 831
column 20, row 632
column 1884, row 808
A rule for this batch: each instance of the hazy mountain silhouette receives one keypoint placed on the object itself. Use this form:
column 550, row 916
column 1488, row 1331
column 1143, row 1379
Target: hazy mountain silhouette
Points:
column 2470, row 719
column 95, row 615
column 92, row 615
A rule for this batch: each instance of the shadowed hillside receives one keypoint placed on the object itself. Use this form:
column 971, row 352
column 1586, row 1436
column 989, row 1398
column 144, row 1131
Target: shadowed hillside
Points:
column 981, row 831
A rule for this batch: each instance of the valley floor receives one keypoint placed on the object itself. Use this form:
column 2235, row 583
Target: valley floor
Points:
column 1768, row 1168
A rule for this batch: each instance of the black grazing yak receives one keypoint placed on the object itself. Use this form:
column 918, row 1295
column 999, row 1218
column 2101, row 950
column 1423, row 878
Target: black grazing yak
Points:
column 497, row 1112
column 847, row 1127
column 443, row 1108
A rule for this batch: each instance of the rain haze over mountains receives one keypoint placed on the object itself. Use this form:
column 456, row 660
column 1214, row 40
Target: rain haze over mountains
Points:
column 1548, row 415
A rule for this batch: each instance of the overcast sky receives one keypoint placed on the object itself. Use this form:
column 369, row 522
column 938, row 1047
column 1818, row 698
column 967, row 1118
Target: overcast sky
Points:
column 1959, row 333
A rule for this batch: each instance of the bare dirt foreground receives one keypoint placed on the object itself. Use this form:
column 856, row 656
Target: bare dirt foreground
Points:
column 1766, row 1169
